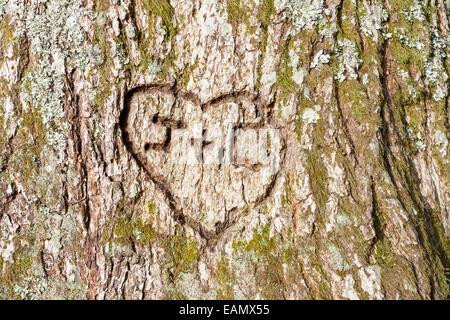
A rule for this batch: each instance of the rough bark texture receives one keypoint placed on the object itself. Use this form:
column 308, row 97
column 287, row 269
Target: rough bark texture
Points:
column 333, row 183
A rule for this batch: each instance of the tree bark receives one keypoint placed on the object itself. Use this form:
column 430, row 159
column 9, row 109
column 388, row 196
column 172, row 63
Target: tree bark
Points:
column 260, row 149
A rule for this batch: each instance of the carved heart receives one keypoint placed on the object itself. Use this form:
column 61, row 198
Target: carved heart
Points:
column 209, row 159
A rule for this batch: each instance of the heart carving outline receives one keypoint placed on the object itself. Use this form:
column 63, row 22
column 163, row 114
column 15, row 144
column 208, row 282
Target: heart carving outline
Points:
column 232, row 216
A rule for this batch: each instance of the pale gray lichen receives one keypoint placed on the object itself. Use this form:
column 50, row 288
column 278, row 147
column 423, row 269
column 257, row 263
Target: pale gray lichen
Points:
column 348, row 59
column 441, row 139
column 159, row 28
column 421, row 145
column 327, row 29
column 435, row 70
column 34, row 288
column 269, row 78
column 407, row 40
column 130, row 32
column 343, row 219
column 372, row 19
column 57, row 41
column 408, row 83
column 306, row 94
column 280, row 5
column 190, row 287
column 320, row 58
column 420, row 142
column 304, row 14
column 439, row 44
column 437, row 75
column 337, row 261
column 298, row 74
column 153, row 69
column 387, row 35
column 371, row 281
column 348, row 290
column 119, row 54
column 417, row 138
column 414, row 12
column 310, row 115
column 3, row 4
column 365, row 79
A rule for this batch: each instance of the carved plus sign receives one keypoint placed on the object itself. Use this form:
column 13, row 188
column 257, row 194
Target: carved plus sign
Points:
column 199, row 144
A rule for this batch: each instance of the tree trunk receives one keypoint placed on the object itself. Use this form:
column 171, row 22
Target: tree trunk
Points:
column 238, row 149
